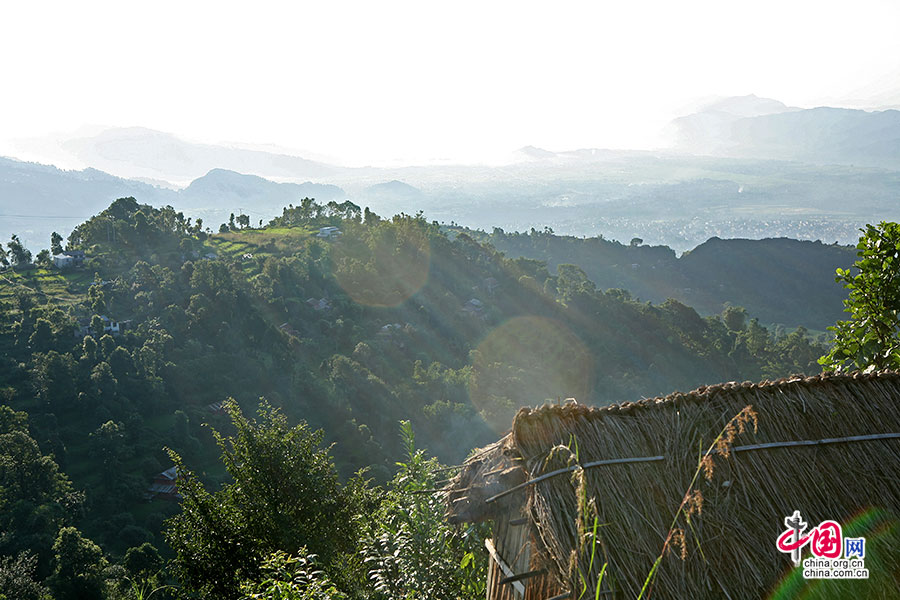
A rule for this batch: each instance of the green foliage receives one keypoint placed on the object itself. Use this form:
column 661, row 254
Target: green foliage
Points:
column 43, row 259
column 411, row 551
column 778, row 280
column 56, row 243
column 140, row 576
column 35, row 498
column 17, row 578
column 572, row 280
column 310, row 213
column 19, row 254
column 385, row 263
column 735, row 318
column 142, row 561
column 288, row 577
column 128, row 229
column 107, row 444
column 11, row 420
column 79, row 567
column 285, row 496
column 871, row 337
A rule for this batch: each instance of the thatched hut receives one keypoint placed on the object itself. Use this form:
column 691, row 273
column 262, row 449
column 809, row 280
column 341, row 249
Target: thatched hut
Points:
column 629, row 475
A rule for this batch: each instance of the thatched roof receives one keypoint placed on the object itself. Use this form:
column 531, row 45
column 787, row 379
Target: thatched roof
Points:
column 728, row 548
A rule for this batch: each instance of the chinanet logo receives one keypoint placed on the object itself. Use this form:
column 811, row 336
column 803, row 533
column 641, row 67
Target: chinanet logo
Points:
column 833, row 555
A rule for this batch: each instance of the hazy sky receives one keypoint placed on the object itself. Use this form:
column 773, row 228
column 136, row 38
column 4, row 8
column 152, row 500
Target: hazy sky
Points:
column 421, row 81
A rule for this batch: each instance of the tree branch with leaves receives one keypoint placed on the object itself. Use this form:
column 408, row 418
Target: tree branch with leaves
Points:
column 871, row 337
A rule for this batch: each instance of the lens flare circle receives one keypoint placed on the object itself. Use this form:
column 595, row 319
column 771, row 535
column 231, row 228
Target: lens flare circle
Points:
column 527, row 361
column 386, row 268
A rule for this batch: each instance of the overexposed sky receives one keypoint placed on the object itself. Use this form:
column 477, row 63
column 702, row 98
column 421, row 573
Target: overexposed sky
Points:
column 379, row 82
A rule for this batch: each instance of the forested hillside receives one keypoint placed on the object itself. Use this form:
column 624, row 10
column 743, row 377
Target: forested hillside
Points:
column 352, row 330
column 780, row 281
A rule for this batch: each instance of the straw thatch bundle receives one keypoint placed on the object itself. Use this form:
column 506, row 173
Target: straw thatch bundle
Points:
column 737, row 504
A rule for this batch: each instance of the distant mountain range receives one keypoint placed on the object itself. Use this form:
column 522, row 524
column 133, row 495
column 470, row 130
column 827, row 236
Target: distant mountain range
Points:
column 250, row 191
column 766, row 170
column 45, row 190
column 136, row 152
column 751, row 127
column 394, row 190
column 37, row 199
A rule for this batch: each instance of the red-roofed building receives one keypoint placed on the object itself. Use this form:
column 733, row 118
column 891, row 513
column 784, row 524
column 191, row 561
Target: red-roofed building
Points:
column 165, row 485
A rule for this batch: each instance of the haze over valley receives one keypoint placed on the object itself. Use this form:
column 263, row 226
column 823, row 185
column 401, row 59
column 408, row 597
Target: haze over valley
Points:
column 739, row 167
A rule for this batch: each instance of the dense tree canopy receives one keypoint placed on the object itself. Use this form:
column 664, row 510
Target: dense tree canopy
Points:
column 35, row 498
column 285, row 496
column 394, row 320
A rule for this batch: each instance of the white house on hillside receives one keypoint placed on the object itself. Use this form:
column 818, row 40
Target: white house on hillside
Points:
column 328, row 232
column 61, row 261
column 111, row 327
